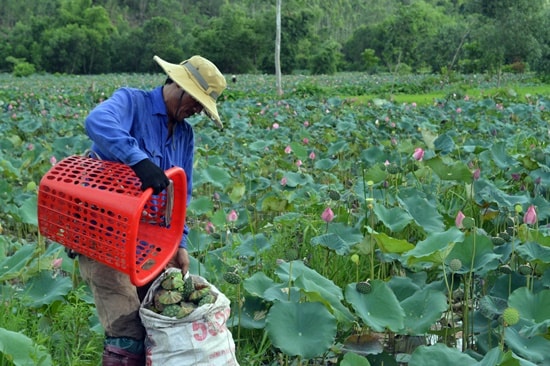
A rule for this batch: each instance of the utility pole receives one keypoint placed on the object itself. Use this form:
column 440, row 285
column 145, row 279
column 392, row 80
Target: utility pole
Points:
column 278, row 49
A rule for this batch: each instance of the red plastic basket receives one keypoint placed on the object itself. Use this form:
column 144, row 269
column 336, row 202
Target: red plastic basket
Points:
column 98, row 209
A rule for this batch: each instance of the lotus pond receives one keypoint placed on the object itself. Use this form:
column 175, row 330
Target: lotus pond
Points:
column 364, row 230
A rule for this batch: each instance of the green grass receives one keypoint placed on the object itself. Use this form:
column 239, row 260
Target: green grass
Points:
column 521, row 93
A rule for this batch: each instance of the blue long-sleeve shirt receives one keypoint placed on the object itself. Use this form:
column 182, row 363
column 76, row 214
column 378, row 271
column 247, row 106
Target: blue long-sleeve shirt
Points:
column 133, row 125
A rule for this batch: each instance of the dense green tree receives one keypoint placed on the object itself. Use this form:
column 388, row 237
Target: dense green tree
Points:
column 159, row 37
column 229, row 41
column 93, row 36
column 326, row 59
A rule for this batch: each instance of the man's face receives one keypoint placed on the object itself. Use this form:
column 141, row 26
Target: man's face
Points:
column 180, row 104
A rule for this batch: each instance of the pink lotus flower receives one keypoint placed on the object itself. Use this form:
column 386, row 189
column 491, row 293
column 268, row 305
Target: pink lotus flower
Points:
column 476, row 174
column 288, row 149
column 459, row 110
column 298, row 163
column 418, row 154
column 56, row 263
column 305, row 140
column 232, row 216
column 386, row 163
column 530, row 217
column 306, row 123
column 209, row 227
column 275, row 126
column 284, row 181
column 459, row 218
column 312, row 155
column 53, row 160
column 327, row 215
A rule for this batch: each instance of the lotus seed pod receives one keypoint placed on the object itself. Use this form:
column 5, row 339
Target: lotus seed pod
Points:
column 334, row 195
column 363, row 287
column 455, row 264
column 505, row 236
column 510, row 316
column 208, row 299
column 197, row 295
column 393, row 169
column 291, row 254
column 173, row 281
column 497, row 240
column 525, row 269
column 168, row 297
column 186, row 308
column 188, row 288
column 506, row 269
column 171, row 311
column 157, row 305
column 468, row 223
column 355, row 258
column 232, row 278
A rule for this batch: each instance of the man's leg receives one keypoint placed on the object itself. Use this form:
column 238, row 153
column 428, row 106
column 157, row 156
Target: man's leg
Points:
column 117, row 305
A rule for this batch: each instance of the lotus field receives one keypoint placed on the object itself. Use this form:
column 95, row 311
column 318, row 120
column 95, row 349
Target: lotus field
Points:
column 361, row 220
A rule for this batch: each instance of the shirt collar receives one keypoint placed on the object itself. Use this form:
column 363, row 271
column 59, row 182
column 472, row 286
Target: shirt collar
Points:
column 158, row 101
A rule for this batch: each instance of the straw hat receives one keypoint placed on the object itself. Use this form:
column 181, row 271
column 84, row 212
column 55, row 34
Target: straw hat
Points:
column 200, row 78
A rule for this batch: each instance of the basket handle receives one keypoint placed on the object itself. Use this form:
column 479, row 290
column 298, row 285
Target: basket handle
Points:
column 169, row 203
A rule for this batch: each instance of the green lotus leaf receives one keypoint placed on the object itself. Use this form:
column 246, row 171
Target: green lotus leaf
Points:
column 253, row 245
column 534, row 252
column 542, row 328
column 12, row 266
column 501, row 157
column 28, row 212
column 214, row 175
column 387, row 244
column 333, row 242
column 301, row 329
column 296, row 179
column 422, row 310
column 22, row 350
column 532, row 306
column 424, row 212
column 310, row 281
column 395, row 218
column 252, row 314
column 439, row 354
column 45, row 289
column 237, row 192
column 257, row 284
column 200, row 206
column 403, row 287
column 379, row 309
column 476, row 253
column 439, row 243
column 456, row 170
column 352, row 359
column 534, row 349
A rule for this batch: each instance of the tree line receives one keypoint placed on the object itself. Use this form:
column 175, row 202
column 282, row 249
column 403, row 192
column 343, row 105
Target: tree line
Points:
column 317, row 36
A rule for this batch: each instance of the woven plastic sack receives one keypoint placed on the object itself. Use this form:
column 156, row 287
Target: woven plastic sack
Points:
column 199, row 339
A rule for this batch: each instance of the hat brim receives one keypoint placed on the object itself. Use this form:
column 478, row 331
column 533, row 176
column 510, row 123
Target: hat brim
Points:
column 181, row 76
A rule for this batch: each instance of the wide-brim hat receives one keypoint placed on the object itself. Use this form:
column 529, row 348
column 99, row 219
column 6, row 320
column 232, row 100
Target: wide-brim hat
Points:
column 200, row 78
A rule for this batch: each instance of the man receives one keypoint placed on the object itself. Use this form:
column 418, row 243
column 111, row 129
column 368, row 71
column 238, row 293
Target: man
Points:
column 146, row 130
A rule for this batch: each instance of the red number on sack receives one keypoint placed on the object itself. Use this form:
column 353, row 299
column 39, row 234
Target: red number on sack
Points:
column 199, row 331
column 202, row 329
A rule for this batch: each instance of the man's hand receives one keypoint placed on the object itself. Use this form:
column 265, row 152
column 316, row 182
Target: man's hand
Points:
column 180, row 260
column 151, row 176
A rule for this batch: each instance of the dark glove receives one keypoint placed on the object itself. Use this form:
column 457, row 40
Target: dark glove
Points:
column 151, row 176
